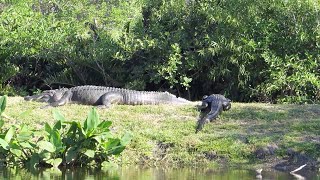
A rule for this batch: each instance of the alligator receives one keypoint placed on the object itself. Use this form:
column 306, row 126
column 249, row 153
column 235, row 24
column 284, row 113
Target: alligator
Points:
column 104, row 96
column 211, row 107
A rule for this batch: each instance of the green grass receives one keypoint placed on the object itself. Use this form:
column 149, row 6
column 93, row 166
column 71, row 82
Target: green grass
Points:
column 165, row 134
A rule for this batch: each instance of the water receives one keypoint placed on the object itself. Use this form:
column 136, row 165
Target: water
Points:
column 132, row 173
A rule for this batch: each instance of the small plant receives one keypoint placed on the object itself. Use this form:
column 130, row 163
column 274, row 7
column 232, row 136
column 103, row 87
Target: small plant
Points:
column 3, row 103
column 66, row 143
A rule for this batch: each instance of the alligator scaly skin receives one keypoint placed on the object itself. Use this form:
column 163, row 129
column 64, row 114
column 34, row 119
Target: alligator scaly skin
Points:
column 215, row 104
column 105, row 96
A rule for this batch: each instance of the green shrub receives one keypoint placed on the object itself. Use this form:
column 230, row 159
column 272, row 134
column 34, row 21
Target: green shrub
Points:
column 66, row 143
column 248, row 50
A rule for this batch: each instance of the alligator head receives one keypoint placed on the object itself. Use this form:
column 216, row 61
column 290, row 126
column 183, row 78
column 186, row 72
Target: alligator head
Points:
column 47, row 96
column 208, row 100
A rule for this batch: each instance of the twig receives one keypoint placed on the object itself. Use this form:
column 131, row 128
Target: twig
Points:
column 298, row 169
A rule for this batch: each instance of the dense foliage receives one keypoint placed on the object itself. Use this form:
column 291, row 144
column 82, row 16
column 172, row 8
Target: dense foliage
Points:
column 66, row 143
column 249, row 50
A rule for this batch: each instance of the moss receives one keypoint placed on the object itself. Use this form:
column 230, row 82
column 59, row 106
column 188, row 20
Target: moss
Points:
column 165, row 134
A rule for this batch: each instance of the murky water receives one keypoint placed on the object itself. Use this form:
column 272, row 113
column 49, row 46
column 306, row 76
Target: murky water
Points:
column 132, row 173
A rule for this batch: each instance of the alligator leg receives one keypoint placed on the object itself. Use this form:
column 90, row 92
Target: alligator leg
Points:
column 109, row 98
column 56, row 101
column 215, row 110
column 202, row 120
column 203, row 106
column 39, row 97
column 226, row 104
column 44, row 98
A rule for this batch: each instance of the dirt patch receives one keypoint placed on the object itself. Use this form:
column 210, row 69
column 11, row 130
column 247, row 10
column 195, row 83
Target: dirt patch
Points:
column 160, row 150
column 263, row 152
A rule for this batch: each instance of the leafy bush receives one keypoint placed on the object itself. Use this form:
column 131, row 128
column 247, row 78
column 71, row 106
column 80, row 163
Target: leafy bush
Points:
column 248, row 50
column 66, row 143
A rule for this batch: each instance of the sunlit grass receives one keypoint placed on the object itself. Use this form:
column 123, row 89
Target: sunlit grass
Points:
column 165, row 134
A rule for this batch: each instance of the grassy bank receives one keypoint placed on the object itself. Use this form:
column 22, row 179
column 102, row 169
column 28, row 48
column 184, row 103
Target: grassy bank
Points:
column 165, row 134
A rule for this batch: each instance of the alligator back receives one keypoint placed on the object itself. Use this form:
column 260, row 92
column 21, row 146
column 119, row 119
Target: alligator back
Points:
column 93, row 95
column 105, row 96
column 90, row 95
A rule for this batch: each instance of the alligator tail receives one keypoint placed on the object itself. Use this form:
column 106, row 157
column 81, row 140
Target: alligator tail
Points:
column 201, row 123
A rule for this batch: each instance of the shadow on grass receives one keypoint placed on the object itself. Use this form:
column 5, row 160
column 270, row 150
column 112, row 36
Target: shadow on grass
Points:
column 273, row 112
column 253, row 126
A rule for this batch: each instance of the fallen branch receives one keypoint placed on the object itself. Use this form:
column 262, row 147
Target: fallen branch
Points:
column 298, row 169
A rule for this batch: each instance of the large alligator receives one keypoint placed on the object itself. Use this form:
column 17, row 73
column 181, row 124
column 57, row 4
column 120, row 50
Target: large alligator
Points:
column 211, row 107
column 104, row 96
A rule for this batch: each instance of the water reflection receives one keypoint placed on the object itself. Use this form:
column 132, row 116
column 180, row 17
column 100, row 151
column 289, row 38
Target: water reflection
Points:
column 132, row 173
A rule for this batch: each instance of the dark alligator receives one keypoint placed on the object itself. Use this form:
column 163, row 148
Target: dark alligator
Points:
column 104, row 96
column 211, row 107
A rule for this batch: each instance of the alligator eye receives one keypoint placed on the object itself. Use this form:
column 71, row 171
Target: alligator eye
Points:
column 227, row 107
column 204, row 97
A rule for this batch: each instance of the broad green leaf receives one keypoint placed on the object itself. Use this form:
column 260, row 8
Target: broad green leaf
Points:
column 16, row 152
column 26, row 145
column 114, row 146
column 126, row 139
column 107, row 135
column 73, row 127
column 71, row 154
column 25, row 128
column 47, row 128
column 24, row 136
column 98, row 139
column 90, row 153
column 45, row 155
column 55, row 139
column 91, row 122
column 57, row 115
column 117, row 150
column 105, row 125
column 45, row 145
column 4, row 144
column 25, row 133
column 1, row 123
column 9, row 134
column 55, row 162
column 14, row 145
column 3, row 104
column 58, row 125
column 111, row 143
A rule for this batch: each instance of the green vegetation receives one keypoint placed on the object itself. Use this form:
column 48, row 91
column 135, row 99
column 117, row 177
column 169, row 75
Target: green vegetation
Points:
column 66, row 143
column 165, row 135
column 248, row 50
